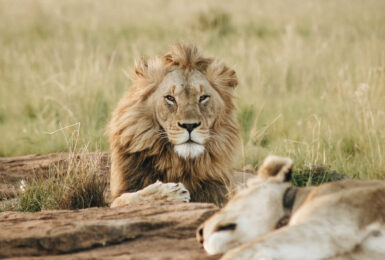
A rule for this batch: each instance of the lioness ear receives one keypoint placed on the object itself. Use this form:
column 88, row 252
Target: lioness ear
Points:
column 278, row 168
column 220, row 75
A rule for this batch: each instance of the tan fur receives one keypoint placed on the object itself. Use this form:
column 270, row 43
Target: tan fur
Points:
column 157, row 191
column 339, row 220
column 142, row 148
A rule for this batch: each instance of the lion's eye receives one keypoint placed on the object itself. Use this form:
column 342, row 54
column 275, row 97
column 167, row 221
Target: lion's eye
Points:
column 203, row 98
column 170, row 98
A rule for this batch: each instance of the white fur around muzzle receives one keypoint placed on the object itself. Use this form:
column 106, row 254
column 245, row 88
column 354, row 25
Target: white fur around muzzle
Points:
column 189, row 150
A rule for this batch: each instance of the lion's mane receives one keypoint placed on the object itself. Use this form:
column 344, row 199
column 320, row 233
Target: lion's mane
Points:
column 139, row 154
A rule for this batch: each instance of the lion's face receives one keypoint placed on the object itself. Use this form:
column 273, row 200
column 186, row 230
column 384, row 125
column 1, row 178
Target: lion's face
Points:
column 176, row 123
column 186, row 107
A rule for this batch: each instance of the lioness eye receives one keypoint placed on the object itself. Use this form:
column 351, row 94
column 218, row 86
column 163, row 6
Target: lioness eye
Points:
column 203, row 98
column 230, row 226
column 170, row 98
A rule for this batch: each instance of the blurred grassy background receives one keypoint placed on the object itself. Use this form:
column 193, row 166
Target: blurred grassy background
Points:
column 312, row 73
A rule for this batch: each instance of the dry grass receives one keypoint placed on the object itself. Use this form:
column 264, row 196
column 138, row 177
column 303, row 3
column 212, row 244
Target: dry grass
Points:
column 312, row 73
column 75, row 184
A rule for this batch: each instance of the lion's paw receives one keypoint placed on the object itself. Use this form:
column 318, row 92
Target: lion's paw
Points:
column 157, row 191
column 166, row 191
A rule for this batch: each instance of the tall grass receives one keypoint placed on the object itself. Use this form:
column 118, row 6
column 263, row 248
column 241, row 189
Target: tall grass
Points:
column 75, row 184
column 312, row 73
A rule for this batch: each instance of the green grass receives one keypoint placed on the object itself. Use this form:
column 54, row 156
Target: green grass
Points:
column 312, row 73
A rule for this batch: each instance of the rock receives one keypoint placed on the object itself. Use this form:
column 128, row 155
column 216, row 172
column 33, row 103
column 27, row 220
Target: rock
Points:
column 151, row 231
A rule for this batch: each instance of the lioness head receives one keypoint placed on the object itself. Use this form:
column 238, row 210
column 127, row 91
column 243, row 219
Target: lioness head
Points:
column 252, row 212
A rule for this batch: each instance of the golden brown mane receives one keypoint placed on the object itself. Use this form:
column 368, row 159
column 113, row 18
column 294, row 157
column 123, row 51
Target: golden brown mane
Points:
column 139, row 153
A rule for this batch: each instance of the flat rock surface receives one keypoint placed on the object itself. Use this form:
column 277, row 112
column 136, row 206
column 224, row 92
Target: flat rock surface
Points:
column 157, row 231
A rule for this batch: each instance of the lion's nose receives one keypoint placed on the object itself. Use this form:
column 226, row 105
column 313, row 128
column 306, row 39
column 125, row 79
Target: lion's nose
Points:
column 189, row 127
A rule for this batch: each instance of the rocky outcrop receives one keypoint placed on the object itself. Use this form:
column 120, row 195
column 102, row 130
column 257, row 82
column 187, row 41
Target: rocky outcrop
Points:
column 159, row 231
column 151, row 231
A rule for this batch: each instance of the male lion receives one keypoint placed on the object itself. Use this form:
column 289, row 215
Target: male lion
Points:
column 273, row 220
column 176, row 124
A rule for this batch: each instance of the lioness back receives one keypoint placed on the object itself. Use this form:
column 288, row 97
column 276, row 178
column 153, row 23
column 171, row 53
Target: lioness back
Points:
column 271, row 219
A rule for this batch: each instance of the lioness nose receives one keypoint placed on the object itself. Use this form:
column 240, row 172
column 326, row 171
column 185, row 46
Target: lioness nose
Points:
column 199, row 234
column 189, row 127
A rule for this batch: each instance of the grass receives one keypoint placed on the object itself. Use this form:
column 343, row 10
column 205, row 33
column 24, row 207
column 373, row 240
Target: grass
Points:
column 75, row 184
column 312, row 73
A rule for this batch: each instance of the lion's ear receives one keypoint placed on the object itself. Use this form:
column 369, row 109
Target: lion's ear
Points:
column 148, row 72
column 168, row 59
column 221, row 75
column 229, row 77
column 141, row 67
column 277, row 168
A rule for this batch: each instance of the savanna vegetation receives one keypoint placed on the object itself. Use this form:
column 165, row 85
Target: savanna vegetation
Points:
column 74, row 185
column 311, row 73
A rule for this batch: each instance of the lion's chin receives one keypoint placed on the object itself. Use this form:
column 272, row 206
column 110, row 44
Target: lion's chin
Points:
column 189, row 150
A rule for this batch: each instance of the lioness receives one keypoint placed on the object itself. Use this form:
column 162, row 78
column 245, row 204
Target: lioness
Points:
column 273, row 220
column 176, row 124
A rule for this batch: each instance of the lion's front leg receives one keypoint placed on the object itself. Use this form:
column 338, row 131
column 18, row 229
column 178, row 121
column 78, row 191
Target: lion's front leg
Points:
column 158, row 191
column 312, row 240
